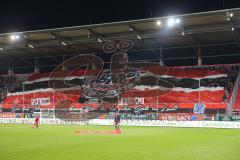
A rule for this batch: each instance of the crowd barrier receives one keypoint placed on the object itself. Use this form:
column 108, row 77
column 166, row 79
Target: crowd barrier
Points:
column 199, row 124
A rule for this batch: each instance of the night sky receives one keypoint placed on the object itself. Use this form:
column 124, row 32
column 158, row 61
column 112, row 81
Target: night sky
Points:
column 31, row 15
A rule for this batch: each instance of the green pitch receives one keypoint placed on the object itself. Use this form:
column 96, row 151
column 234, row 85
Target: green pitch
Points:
column 60, row 142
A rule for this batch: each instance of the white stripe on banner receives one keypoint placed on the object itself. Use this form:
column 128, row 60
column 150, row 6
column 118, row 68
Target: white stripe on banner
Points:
column 141, row 74
column 145, row 87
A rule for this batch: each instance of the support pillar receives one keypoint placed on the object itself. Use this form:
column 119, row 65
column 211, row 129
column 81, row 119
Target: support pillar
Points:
column 36, row 67
column 199, row 56
column 161, row 62
column 10, row 68
column 63, row 66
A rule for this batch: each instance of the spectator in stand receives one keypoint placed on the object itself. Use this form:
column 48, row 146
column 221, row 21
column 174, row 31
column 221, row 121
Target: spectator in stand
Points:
column 231, row 78
column 225, row 97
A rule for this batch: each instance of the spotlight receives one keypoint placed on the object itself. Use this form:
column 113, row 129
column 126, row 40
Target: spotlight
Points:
column 159, row 23
column 31, row 46
column 130, row 29
column 99, row 40
column 63, row 43
column 177, row 21
column 14, row 37
column 229, row 15
column 171, row 22
column 139, row 37
column 233, row 29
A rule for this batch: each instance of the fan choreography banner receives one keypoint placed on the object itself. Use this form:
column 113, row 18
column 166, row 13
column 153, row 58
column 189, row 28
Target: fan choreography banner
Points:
column 85, row 82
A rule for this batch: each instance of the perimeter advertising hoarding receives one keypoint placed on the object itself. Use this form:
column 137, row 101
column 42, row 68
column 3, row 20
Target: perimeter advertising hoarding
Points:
column 200, row 124
column 11, row 115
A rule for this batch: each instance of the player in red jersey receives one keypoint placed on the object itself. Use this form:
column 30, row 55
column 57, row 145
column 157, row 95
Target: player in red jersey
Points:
column 117, row 123
column 36, row 122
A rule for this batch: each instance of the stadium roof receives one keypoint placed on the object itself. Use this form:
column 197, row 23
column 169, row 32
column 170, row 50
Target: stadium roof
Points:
column 163, row 37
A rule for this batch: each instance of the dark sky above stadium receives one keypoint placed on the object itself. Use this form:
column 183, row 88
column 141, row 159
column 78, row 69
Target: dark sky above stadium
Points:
column 31, row 15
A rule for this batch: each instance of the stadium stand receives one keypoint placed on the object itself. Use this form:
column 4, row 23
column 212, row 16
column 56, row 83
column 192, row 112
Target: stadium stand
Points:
column 200, row 40
column 189, row 86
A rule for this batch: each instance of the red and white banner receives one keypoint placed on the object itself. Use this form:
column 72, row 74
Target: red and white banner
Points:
column 189, row 86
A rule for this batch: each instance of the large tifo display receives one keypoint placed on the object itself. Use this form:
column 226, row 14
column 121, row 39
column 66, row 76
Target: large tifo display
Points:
column 200, row 124
column 186, row 88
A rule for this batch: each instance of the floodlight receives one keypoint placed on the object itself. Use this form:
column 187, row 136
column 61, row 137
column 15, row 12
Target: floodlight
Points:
column 139, row 37
column 15, row 37
column 63, row 43
column 31, row 46
column 12, row 37
column 177, row 21
column 229, row 15
column 171, row 22
column 130, row 29
column 99, row 40
column 159, row 23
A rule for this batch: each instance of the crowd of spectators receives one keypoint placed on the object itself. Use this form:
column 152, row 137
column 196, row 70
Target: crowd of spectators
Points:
column 231, row 78
column 8, row 84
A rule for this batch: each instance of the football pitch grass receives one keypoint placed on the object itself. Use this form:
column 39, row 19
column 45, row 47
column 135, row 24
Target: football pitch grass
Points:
column 60, row 142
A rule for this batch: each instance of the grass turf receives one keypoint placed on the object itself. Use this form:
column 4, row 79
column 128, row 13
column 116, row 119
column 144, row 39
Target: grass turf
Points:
column 60, row 142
